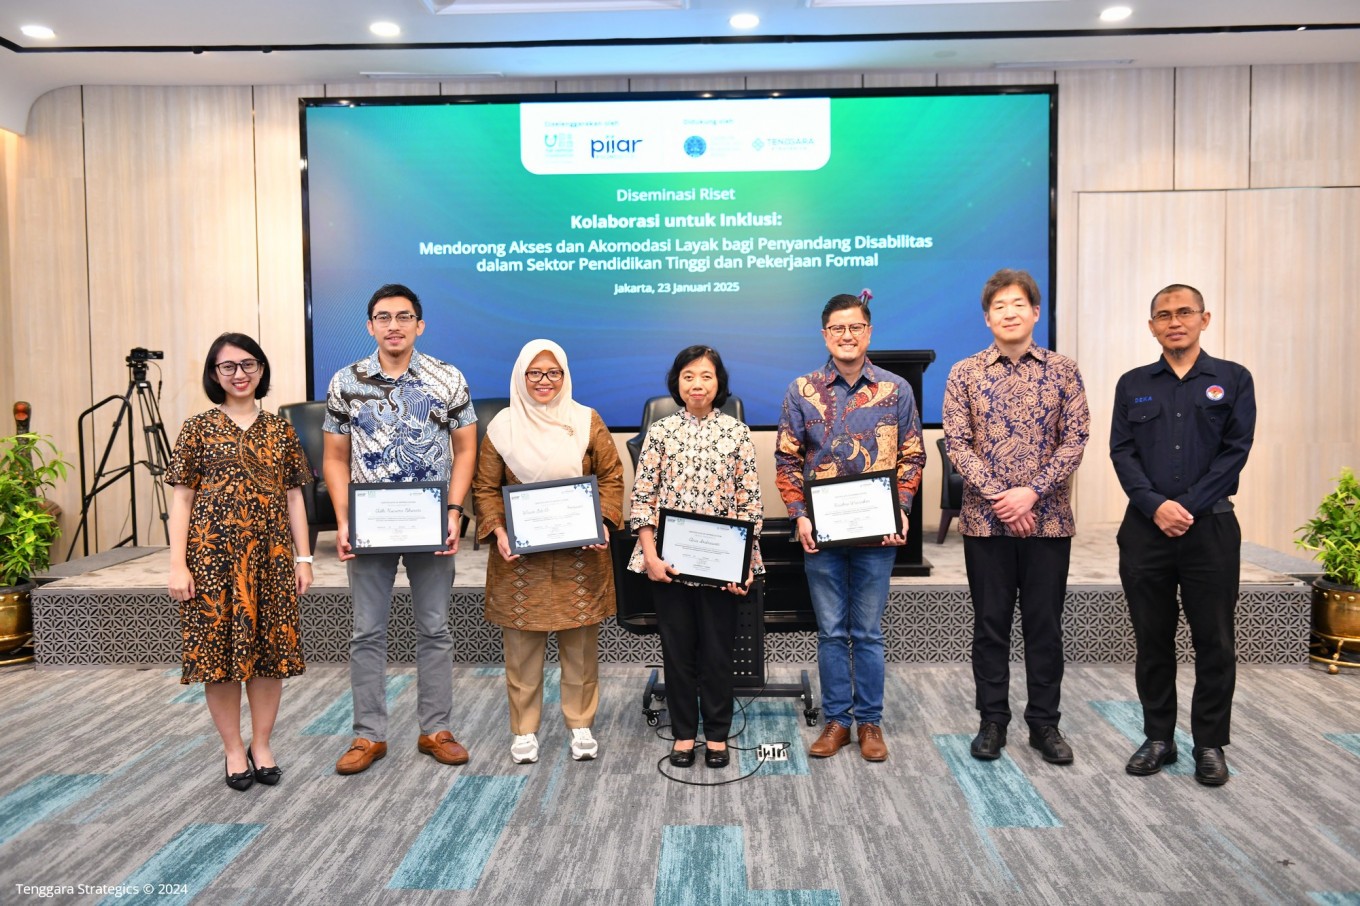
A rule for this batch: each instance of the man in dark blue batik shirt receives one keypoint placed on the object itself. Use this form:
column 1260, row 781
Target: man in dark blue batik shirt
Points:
column 1181, row 434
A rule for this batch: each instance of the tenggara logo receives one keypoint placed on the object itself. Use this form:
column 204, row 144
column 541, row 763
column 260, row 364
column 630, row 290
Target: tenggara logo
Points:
column 695, row 146
column 1214, row 393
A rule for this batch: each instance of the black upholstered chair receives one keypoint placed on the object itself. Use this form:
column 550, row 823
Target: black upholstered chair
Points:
column 307, row 419
column 486, row 410
column 951, row 492
column 658, row 407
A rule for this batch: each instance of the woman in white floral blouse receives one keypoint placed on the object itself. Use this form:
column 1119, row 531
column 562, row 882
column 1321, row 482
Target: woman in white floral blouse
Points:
column 699, row 460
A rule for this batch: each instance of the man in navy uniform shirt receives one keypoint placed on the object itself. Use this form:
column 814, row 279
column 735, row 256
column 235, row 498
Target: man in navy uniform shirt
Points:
column 1181, row 434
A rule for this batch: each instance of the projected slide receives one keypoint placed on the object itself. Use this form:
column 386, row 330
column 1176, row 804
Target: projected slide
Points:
column 627, row 229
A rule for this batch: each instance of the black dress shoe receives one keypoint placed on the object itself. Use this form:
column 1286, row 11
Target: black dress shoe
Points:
column 716, row 758
column 988, row 742
column 1150, row 757
column 682, row 758
column 1050, row 742
column 1211, row 768
column 267, row 776
column 239, row 782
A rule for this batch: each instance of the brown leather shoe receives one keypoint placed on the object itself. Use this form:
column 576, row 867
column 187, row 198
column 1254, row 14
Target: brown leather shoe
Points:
column 443, row 748
column 362, row 753
column 871, row 744
column 829, row 743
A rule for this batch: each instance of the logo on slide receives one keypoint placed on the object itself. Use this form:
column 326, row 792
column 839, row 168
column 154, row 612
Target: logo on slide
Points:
column 558, row 144
column 1214, row 393
column 695, row 146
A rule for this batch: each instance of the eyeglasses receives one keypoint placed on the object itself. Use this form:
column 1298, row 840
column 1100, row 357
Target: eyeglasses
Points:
column 401, row 317
column 247, row 366
column 554, row 375
column 1180, row 314
column 838, row 330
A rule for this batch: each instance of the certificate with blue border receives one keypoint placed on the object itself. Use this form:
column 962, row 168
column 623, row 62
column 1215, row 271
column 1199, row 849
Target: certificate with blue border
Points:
column 854, row 509
column 553, row 515
column 711, row 550
column 398, row 517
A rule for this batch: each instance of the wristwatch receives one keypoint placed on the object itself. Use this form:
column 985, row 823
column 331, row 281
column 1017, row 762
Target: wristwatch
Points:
column 307, row 559
column 456, row 506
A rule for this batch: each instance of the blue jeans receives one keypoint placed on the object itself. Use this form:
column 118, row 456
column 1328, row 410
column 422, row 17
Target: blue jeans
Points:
column 849, row 589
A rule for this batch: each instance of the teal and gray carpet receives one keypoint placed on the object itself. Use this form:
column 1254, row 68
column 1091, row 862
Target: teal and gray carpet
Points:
column 111, row 791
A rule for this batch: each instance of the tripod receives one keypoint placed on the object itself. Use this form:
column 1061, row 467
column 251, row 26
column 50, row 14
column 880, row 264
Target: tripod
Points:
column 157, row 451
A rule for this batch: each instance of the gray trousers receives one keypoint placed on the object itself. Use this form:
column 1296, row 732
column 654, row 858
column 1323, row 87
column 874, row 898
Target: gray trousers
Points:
column 370, row 582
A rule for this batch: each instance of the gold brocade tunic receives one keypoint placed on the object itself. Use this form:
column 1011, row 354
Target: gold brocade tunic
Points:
column 549, row 590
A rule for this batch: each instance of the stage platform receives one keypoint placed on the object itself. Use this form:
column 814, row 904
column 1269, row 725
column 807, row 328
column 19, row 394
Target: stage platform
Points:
column 112, row 609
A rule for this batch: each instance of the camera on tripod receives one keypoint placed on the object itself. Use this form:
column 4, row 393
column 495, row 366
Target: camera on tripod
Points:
column 142, row 354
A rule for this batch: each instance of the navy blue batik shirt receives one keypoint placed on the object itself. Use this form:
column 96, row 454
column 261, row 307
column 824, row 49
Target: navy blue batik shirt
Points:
column 1183, row 439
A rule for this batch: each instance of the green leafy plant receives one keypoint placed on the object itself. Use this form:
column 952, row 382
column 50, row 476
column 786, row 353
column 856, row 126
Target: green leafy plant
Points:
column 1334, row 533
column 29, row 463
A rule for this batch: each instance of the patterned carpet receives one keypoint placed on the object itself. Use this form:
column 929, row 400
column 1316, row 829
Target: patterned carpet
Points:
column 111, row 792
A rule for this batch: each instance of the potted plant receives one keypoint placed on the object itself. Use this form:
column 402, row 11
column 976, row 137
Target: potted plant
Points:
column 29, row 463
column 1334, row 536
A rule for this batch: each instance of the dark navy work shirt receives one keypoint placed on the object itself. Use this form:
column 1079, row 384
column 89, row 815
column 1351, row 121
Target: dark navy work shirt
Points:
column 1183, row 439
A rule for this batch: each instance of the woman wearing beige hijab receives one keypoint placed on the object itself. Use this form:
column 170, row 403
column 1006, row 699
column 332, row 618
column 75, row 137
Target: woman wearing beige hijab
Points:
column 546, row 435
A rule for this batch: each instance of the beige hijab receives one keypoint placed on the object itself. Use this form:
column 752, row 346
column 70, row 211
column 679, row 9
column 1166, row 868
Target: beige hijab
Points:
column 541, row 441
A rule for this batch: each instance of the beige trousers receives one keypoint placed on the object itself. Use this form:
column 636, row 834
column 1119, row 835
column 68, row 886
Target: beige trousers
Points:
column 577, row 650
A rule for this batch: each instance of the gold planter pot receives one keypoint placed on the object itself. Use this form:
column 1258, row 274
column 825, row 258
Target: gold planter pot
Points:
column 16, row 620
column 1336, row 625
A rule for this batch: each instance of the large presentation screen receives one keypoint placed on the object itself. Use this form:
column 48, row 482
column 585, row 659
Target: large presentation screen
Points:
column 627, row 228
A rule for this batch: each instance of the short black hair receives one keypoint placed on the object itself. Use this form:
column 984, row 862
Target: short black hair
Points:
column 1177, row 288
column 240, row 341
column 389, row 290
column 842, row 302
column 1008, row 277
column 689, row 354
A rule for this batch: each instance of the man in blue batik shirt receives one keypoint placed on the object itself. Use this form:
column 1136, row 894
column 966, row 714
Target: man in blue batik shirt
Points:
column 399, row 416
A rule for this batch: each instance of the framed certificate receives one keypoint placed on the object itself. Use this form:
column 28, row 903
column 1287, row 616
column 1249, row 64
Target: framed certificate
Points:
column 854, row 509
column 551, row 515
column 398, row 517
column 707, row 549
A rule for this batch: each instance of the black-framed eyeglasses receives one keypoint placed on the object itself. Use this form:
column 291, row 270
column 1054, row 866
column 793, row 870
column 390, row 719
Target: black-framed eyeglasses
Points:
column 1180, row 314
column 247, row 366
column 553, row 374
column 838, row 330
column 402, row 317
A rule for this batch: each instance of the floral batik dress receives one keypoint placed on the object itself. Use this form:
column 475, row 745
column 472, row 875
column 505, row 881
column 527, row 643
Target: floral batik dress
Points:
column 243, row 620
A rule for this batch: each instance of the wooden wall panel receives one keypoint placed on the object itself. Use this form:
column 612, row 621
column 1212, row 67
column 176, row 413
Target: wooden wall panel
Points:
column 1213, row 126
column 1292, row 271
column 278, row 202
column 688, row 83
column 380, row 89
column 774, row 81
column 170, row 182
column 498, row 86
column 899, row 80
column 1130, row 245
column 1115, row 131
column 49, row 335
column 993, row 77
column 1305, row 125
column 585, row 86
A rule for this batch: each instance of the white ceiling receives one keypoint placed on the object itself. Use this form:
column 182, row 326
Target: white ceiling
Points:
column 880, row 35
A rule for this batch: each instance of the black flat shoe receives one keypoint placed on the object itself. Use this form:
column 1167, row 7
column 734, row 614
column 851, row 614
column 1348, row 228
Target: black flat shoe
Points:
column 267, row 776
column 1150, row 757
column 1211, row 768
column 682, row 758
column 239, row 782
column 716, row 758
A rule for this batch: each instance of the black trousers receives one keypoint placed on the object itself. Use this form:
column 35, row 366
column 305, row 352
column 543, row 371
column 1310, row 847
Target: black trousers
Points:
column 1204, row 564
column 1034, row 570
column 698, row 627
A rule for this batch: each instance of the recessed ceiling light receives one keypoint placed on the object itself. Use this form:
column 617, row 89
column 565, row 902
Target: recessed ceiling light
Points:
column 385, row 29
column 744, row 20
column 38, row 31
column 1115, row 14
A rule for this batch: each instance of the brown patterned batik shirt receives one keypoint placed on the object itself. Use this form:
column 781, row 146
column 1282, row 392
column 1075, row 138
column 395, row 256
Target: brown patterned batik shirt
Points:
column 1016, row 424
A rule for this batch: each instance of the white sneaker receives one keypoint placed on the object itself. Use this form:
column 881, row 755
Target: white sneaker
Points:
column 583, row 745
column 524, row 749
